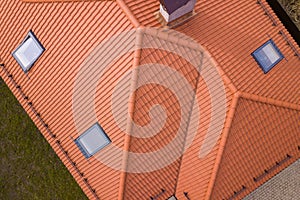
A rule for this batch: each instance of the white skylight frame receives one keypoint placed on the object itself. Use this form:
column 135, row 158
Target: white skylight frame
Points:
column 267, row 56
column 92, row 140
column 28, row 52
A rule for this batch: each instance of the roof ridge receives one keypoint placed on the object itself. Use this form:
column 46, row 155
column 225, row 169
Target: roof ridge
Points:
column 223, row 140
column 131, row 107
column 225, row 78
column 128, row 13
column 237, row 95
column 270, row 101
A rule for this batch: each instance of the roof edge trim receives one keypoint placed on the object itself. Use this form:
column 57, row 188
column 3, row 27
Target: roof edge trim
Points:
column 42, row 126
column 271, row 101
column 223, row 141
column 128, row 13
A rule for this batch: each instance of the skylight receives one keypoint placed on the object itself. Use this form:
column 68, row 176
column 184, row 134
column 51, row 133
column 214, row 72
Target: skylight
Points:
column 92, row 140
column 28, row 51
column 267, row 56
column 172, row 198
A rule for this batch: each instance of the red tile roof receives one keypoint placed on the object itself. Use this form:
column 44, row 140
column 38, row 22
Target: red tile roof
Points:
column 69, row 31
column 260, row 108
column 266, row 129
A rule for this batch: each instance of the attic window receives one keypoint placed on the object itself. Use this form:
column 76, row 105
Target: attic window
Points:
column 28, row 51
column 92, row 140
column 172, row 198
column 267, row 56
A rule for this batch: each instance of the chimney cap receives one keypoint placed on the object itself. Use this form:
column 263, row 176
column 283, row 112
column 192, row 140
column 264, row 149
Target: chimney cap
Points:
column 172, row 5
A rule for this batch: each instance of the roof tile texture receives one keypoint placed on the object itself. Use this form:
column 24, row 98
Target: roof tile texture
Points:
column 229, row 30
column 255, row 144
column 69, row 32
column 231, row 35
column 150, row 184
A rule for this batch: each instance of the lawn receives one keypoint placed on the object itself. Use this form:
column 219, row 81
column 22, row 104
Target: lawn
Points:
column 29, row 168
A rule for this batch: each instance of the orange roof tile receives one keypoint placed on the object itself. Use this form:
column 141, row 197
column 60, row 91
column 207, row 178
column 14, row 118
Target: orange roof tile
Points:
column 264, row 141
column 69, row 31
column 213, row 166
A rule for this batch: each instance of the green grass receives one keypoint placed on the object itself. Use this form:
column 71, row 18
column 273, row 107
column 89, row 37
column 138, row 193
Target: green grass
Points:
column 29, row 168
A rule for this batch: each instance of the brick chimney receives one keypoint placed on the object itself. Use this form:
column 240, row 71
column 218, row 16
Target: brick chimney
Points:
column 171, row 10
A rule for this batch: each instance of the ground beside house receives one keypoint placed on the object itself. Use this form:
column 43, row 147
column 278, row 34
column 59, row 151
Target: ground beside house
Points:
column 283, row 186
column 22, row 143
column 29, row 168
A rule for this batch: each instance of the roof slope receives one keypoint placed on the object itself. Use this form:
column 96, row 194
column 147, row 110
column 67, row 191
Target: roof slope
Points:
column 231, row 31
column 254, row 138
column 231, row 36
column 178, row 106
column 69, row 32
column 72, row 32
